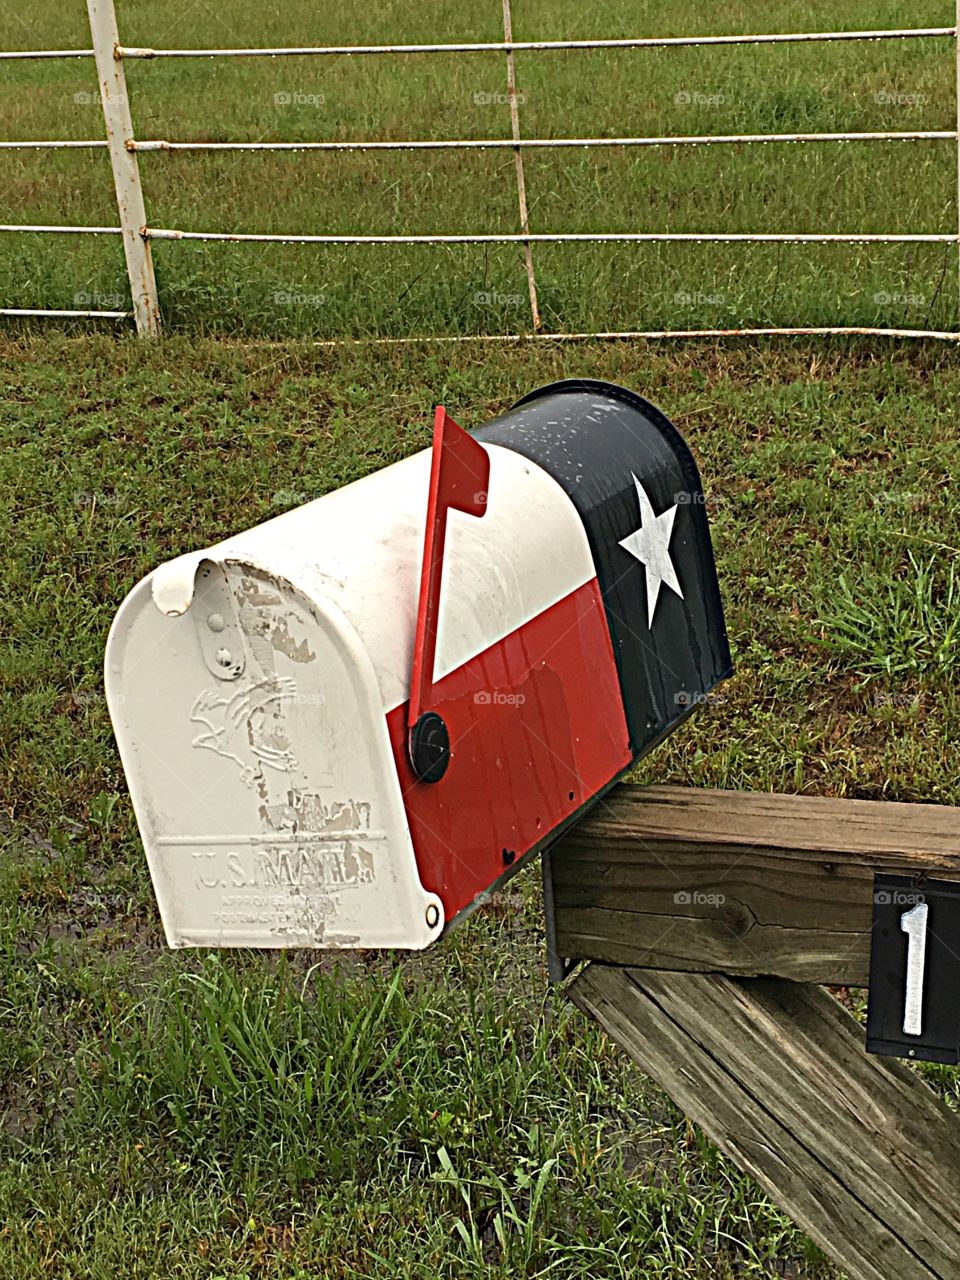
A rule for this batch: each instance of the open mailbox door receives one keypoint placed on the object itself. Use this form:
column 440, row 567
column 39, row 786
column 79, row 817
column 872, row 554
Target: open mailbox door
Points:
column 344, row 727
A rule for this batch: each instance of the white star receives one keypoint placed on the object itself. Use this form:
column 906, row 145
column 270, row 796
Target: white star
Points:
column 651, row 545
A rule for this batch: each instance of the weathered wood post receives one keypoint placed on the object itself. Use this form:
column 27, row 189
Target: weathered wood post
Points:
column 126, row 169
column 709, row 919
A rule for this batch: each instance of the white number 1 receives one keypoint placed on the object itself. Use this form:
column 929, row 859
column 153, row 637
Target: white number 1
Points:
column 914, row 924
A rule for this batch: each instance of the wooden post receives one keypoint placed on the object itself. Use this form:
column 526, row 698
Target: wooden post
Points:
column 739, row 882
column 857, row 1150
column 126, row 170
column 674, row 895
column 514, row 103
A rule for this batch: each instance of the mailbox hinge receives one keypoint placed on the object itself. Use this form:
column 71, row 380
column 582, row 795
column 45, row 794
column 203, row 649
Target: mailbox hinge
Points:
column 559, row 967
column 218, row 625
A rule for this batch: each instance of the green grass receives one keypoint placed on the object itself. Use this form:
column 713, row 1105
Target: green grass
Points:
column 179, row 1114
column 441, row 1115
column 311, row 290
column 903, row 626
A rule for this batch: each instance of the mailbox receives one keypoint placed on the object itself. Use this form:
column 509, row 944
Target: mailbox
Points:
column 346, row 726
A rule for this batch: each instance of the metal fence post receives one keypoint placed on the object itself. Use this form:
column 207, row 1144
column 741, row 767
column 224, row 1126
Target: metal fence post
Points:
column 518, row 161
column 126, row 170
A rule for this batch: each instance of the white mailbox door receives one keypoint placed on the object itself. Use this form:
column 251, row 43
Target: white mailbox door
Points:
column 252, row 733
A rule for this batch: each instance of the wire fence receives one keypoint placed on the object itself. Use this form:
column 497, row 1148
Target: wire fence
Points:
column 137, row 234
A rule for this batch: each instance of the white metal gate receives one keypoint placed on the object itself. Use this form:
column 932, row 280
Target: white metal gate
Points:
column 137, row 234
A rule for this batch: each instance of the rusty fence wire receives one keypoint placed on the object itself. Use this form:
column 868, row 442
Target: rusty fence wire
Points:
column 137, row 234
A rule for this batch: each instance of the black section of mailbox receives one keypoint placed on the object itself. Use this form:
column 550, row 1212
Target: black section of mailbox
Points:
column 597, row 440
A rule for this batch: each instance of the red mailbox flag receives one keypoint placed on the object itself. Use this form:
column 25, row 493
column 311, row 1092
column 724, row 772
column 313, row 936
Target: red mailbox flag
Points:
column 459, row 476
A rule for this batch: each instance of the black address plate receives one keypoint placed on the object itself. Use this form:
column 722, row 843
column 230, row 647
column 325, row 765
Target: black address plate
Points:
column 914, row 1007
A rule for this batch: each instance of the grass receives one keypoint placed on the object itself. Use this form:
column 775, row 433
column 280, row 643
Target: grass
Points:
column 898, row 627
column 322, row 291
column 437, row 1115
column 440, row 1115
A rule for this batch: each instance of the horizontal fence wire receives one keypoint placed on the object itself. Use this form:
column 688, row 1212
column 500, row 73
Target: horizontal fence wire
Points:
column 566, row 237
column 12, row 55
column 541, row 46
column 502, row 46
column 66, row 315
column 55, row 228
column 615, row 334
column 560, row 237
column 481, row 144
column 599, row 336
column 53, row 144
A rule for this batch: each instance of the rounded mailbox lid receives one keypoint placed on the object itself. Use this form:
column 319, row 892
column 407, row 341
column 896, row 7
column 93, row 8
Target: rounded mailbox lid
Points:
column 637, row 489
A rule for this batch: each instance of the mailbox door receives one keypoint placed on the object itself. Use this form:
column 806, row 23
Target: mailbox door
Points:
column 253, row 738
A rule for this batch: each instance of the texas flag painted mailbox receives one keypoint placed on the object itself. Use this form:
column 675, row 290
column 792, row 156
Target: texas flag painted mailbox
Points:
column 344, row 727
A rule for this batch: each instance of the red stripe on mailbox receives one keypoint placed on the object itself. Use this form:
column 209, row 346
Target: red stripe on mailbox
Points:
column 537, row 727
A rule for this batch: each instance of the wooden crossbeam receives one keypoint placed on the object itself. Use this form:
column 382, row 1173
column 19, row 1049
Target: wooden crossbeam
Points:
column 681, row 878
column 679, row 898
column 856, row 1149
